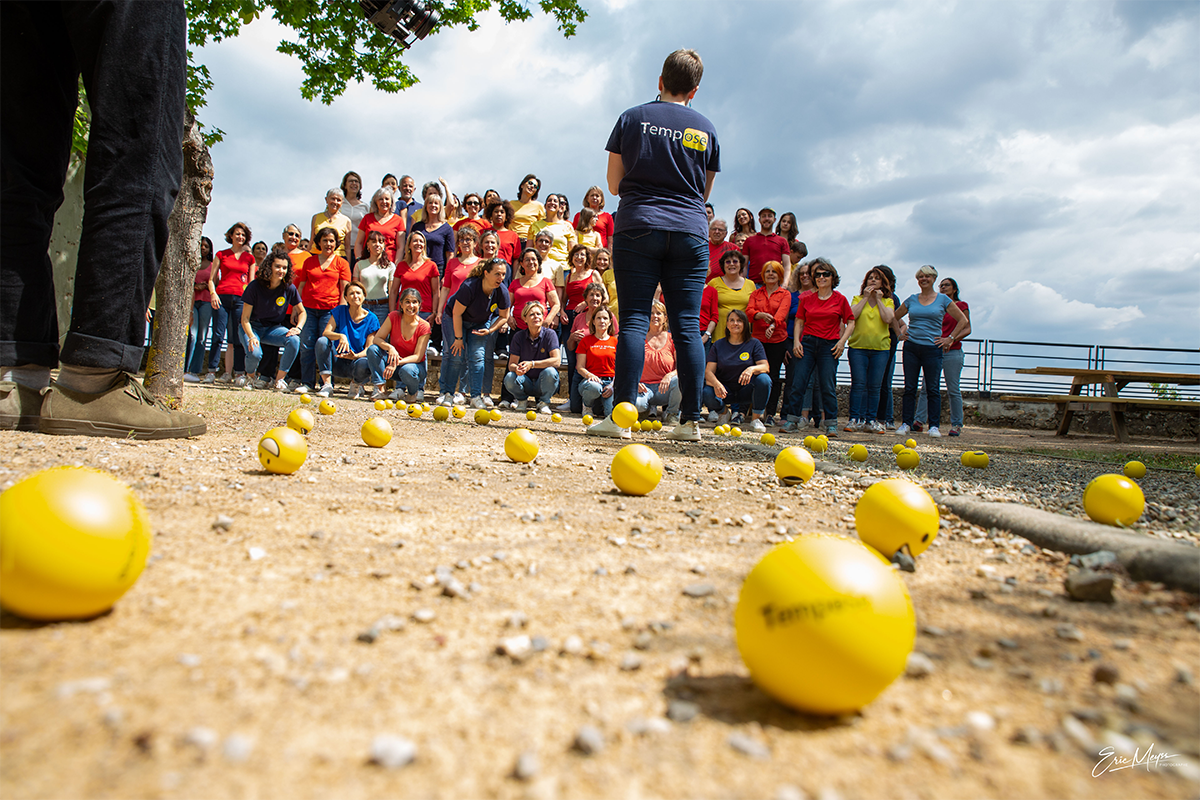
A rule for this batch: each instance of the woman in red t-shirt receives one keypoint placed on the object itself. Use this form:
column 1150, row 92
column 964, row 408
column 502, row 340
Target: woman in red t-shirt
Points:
column 398, row 348
column 824, row 322
column 768, row 311
column 322, row 282
column 594, row 199
column 529, row 285
column 595, row 361
column 574, row 283
column 500, row 214
column 416, row 272
column 231, row 273
column 383, row 220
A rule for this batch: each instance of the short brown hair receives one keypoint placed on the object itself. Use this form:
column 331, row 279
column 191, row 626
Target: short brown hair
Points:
column 682, row 71
column 592, row 321
column 245, row 229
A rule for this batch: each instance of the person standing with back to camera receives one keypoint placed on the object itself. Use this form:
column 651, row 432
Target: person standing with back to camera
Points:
column 663, row 157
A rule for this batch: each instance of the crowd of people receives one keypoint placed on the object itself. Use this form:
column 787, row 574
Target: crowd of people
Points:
column 379, row 283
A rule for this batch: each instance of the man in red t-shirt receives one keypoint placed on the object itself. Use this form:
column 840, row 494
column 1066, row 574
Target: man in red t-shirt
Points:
column 717, row 246
column 765, row 246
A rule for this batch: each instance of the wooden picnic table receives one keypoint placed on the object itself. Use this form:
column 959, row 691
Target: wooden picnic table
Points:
column 1113, row 381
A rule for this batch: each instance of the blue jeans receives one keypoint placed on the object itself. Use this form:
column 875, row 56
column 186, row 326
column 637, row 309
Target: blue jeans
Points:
column 202, row 314
column 590, row 391
column 227, row 321
column 887, row 400
column 357, row 370
column 926, row 358
column 543, row 387
column 410, row 376
column 573, row 395
column 315, row 320
column 642, row 260
column 274, row 335
column 952, row 367
column 653, row 398
column 758, row 391
column 866, row 376
column 817, row 361
column 470, row 361
column 444, row 385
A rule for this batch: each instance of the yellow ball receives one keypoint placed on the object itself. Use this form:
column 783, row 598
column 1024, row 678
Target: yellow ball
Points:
column 390, row 403
column 1114, row 500
column 824, row 624
column 415, row 411
column 482, row 417
column 908, row 459
column 767, row 439
column 647, row 424
column 625, row 414
column 794, row 465
column 531, row 415
column 495, row 415
column 441, row 413
column 1135, row 470
column 381, row 405
column 965, row 459
column 657, row 425
column 301, row 420
column 898, row 447
column 587, row 419
column 979, row 460
column 1196, row 470
column 735, row 431
column 858, row 452
column 376, row 432
column 72, row 542
column 896, row 512
column 459, row 412
column 282, row 450
column 425, row 407
column 306, row 399
column 821, row 444
column 910, row 443
column 810, row 442
column 556, row 417
column 636, row 469
column 521, row 446
column 327, row 407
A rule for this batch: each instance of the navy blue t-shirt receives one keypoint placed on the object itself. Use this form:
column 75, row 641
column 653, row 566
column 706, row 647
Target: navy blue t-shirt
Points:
column 270, row 305
column 526, row 349
column 667, row 149
column 479, row 307
column 733, row 359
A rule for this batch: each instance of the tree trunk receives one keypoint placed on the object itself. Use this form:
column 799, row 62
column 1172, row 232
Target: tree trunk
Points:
column 173, row 289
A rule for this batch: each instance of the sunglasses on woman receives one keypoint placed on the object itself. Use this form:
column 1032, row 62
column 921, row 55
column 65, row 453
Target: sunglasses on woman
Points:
column 822, row 274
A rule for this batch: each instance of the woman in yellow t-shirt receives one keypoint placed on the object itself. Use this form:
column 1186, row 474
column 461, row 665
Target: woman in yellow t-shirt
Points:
column 870, row 349
column 526, row 209
column 586, row 233
column 563, row 231
column 733, row 290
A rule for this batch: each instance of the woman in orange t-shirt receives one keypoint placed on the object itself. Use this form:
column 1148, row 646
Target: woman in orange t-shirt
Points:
column 321, row 280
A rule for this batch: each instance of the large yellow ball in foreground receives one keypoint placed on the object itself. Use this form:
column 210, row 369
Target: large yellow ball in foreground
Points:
column 896, row 512
column 376, row 432
column 794, row 465
column 282, row 451
column 636, row 469
column 824, row 624
column 625, row 414
column 327, row 407
column 72, row 541
column 908, row 459
column 441, row 413
column 1113, row 500
column 301, row 420
column 521, row 446
column 1135, row 470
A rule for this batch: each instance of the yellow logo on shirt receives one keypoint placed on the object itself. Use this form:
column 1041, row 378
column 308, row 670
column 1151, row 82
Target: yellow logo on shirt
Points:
column 493, row 308
column 696, row 140
column 744, row 356
column 279, row 301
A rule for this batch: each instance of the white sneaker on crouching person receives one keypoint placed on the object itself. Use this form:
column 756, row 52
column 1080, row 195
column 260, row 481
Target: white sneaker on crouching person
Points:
column 325, row 390
column 933, row 431
column 280, row 385
column 302, row 389
column 684, row 432
column 487, row 401
column 544, row 408
column 504, row 404
column 903, row 429
column 606, row 427
column 757, row 426
column 241, row 382
column 443, row 400
column 459, row 399
column 354, row 392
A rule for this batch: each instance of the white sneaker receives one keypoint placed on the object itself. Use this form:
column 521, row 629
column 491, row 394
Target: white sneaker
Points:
column 487, row 401
column 240, row 382
column 757, row 426
column 505, row 405
column 874, row 427
column 325, row 390
column 224, row 377
column 903, row 430
column 671, row 421
column 606, row 427
column 210, row 378
column 442, row 400
column 430, row 350
column 712, row 417
column 459, row 399
column 477, row 402
column 354, row 392
column 684, row 432
column 280, row 385
column 544, row 408
column 933, row 431
column 302, row 389
column 263, row 383
column 189, row 377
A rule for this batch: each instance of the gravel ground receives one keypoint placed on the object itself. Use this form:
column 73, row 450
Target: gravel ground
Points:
column 432, row 620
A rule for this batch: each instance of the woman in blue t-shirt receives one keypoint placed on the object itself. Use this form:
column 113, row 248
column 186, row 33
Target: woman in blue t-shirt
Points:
column 923, row 347
column 347, row 336
column 736, row 371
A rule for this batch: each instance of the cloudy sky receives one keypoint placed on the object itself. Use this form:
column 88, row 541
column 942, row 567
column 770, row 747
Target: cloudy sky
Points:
column 1046, row 155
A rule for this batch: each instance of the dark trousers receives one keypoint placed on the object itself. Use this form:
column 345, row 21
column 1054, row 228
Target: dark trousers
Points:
column 133, row 59
column 775, row 355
